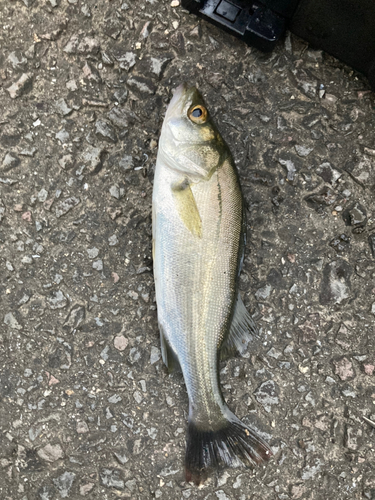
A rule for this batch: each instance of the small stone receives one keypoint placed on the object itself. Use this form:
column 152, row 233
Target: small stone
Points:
column 92, row 252
column 98, row 265
column 9, row 162
column 273, row 353
column 340, row 243
column 64, row 483
column 328, row 173
column 335, row 286
column 88, row 45
column 116, row 191
column 71, row 46
column 63, row 136
column 126, row 162
column 113, row 240
column 57, row 300
column 105, row 131
column 292, row 165
column 221, row 495
column 120, row 95
column 344, row 368
column 355, row 216
column 155, row 355
column 82, row 427
column 22, row 85
column 141, row 85
column 91, row 73
column 369, row 369
column 71, row 85
column 351, row 437
column 51, row 453
column 62, row 107
column 303, row 151
column 267, row 394
column 17, row 60
column 11, row 321
column 66, row 162
column 264, row 292
column 63, row 207
column 120, row 342
column 116, row 398
column 115, row 277
column 42, row 195
column 120, row 455
column 175, row 3
column 26, row 216
column 125, row 58
column 84, row 489
column 111, row 478
column 371, row 241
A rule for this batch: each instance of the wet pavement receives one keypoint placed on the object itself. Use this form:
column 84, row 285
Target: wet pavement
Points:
column 87, row 408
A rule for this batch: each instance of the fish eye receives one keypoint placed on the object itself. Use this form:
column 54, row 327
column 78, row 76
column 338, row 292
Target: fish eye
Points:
column 198, row 114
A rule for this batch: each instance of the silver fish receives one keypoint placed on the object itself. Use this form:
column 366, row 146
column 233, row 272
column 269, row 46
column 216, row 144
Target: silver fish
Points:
column 198, row 245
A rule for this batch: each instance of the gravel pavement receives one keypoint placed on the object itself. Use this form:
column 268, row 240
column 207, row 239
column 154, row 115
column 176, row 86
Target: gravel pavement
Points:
column 87, row 408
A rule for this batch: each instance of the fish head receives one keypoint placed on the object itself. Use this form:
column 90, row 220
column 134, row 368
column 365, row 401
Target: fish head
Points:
column 190, row 142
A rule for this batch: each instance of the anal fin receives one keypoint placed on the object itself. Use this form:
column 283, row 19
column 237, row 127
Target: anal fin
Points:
column 170, row 358
column 242, row 331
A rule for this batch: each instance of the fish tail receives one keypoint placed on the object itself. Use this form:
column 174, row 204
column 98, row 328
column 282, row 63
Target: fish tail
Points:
column 233, row 445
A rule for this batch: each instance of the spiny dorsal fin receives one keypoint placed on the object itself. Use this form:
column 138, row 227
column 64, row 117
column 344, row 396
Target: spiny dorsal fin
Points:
column 187, row 207
column 242, row 330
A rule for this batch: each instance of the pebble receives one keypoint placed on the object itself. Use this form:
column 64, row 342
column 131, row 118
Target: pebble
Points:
column 11, row 321
column 21, row 85
column 142, row 85
column 51, row 453
column 92, row 252
column 120, row 342
column 62, row 107
column 116, row 191
column 64, row 483
column 116, row 398
column 264, row 292
column 111, row 478
column 344, row 368
column 335, row 286
column 64, row 206
column 82, row 427
column 267, row 395
column 104, row 131
column 155, row 355
column 9, row 162
column 98, row 265
column 84, row 489
column 303, row 151
column 57, row 300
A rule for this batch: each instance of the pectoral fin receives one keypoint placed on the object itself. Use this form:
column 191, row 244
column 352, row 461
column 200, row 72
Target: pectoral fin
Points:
column 242, row 331
column 187, row 207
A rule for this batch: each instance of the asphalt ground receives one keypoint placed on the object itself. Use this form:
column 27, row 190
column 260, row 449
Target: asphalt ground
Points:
column 87, row 408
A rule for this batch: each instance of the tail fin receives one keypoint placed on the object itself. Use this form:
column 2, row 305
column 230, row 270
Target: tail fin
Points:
column 234, row 445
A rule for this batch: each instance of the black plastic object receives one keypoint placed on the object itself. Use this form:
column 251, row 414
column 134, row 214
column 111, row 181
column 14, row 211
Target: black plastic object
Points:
column 253, row 22
column 343, row 28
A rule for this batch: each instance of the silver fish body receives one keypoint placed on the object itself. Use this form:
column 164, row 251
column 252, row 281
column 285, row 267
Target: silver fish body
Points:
column 198, row 243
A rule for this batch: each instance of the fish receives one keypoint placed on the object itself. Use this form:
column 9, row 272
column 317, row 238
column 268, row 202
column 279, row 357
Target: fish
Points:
column 198, row 242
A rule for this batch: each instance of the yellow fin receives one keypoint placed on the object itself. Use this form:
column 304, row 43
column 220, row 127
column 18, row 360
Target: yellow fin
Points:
column 187, row 207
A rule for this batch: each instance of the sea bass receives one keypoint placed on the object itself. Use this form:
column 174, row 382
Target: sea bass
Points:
column 198, row 245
